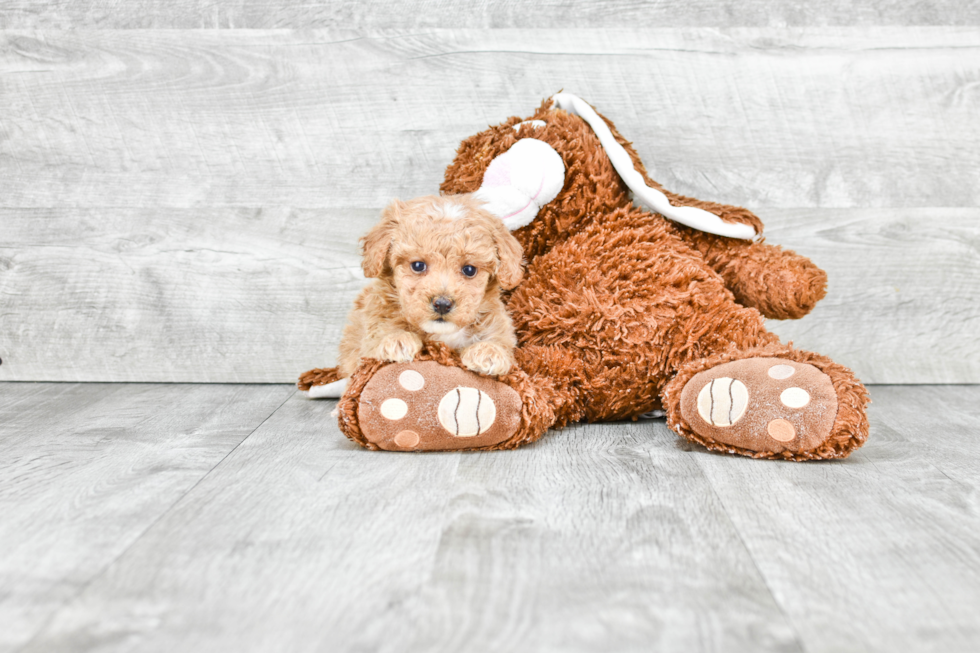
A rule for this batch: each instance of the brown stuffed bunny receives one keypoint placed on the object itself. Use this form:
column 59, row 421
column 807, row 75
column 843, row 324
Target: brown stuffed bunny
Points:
column 622, row 311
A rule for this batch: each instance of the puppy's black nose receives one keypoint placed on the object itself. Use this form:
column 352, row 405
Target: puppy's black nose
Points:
column 442, row 305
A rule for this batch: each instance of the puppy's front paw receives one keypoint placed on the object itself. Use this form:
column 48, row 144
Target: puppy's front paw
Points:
column 488, row 358
column 400, row 347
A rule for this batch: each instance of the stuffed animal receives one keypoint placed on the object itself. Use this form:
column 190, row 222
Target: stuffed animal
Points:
column 624, row 309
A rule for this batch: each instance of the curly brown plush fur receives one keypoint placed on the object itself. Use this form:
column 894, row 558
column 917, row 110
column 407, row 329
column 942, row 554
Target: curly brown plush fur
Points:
column 621, row 308
column 318, row 376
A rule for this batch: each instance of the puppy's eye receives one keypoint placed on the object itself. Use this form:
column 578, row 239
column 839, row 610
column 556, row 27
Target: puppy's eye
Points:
column 469, row 271
column 418, row 266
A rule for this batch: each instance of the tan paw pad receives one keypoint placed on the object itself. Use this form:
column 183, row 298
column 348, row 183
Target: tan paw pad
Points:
column 781, row 430
column 761, row 404
column 781, row 372
column 423, row 406
column 407, row 439
column 411, row 380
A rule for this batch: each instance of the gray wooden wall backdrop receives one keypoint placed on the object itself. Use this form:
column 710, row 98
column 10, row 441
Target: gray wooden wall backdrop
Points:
column 183, row 204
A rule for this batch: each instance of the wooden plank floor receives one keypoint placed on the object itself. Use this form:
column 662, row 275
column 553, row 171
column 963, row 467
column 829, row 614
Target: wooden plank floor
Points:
column 152, row 517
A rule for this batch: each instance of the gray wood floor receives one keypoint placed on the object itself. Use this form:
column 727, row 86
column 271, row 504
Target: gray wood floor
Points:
column 228, row 517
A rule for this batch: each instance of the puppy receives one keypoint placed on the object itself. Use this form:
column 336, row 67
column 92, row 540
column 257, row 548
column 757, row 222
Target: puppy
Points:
column 438, row 265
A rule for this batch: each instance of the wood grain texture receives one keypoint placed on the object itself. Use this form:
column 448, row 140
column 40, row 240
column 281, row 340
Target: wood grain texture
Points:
column 86, row 469
column 216, row 295
column 600, row 538
column 596, row 538
column 880, row 552
column 240, row 295
column 902, row 295
column 605, row 537
column 301, row 541
column 828, row 117
column 184, row 205
column 479, row 13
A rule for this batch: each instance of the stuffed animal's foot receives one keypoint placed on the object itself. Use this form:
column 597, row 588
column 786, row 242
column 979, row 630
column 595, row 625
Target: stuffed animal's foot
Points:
column 427, row 406
column 773, row 408
column 761, row 404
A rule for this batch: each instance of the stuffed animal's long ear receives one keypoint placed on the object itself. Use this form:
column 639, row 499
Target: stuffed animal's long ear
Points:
column 522, row 180
column 510, row 269
column 651, row 197
column 376, row 243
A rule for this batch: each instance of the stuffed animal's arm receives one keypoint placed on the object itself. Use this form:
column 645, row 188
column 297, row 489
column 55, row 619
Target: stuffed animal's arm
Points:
column 778, row 282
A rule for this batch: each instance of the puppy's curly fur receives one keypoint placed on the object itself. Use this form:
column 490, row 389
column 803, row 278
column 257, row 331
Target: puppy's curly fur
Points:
column 438, row 264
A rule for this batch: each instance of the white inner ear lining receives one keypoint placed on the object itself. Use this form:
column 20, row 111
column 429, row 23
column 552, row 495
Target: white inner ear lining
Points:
column 520, row 181
column 652, row 198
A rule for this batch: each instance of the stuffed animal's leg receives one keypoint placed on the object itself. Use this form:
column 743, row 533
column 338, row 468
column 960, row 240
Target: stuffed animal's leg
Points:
column 769, row 402
column 322, row 383
column 435, row 404
column 736, row 388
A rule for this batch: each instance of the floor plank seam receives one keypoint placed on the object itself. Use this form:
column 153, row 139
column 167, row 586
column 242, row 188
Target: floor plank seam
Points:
column 748, row 552
column 68, row 388
column 81, row 590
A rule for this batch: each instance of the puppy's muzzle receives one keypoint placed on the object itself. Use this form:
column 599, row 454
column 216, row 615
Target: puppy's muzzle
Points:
column 442, row 305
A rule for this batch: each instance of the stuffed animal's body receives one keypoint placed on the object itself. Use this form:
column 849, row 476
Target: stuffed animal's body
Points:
column 621, row 312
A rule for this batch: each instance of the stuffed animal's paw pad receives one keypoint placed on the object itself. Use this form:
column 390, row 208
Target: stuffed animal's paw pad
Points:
column 466, row 412
column 761, row 404
column 428, row 406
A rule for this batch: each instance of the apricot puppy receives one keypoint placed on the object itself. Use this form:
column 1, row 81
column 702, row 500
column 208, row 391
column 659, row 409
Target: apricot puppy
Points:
column 438, row 264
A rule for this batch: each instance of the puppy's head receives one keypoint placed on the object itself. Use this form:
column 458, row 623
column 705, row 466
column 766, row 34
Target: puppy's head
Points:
column 446, row 257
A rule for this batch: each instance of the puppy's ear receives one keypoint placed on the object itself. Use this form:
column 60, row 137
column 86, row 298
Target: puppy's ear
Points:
column 377, row 242
column 510, row 269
